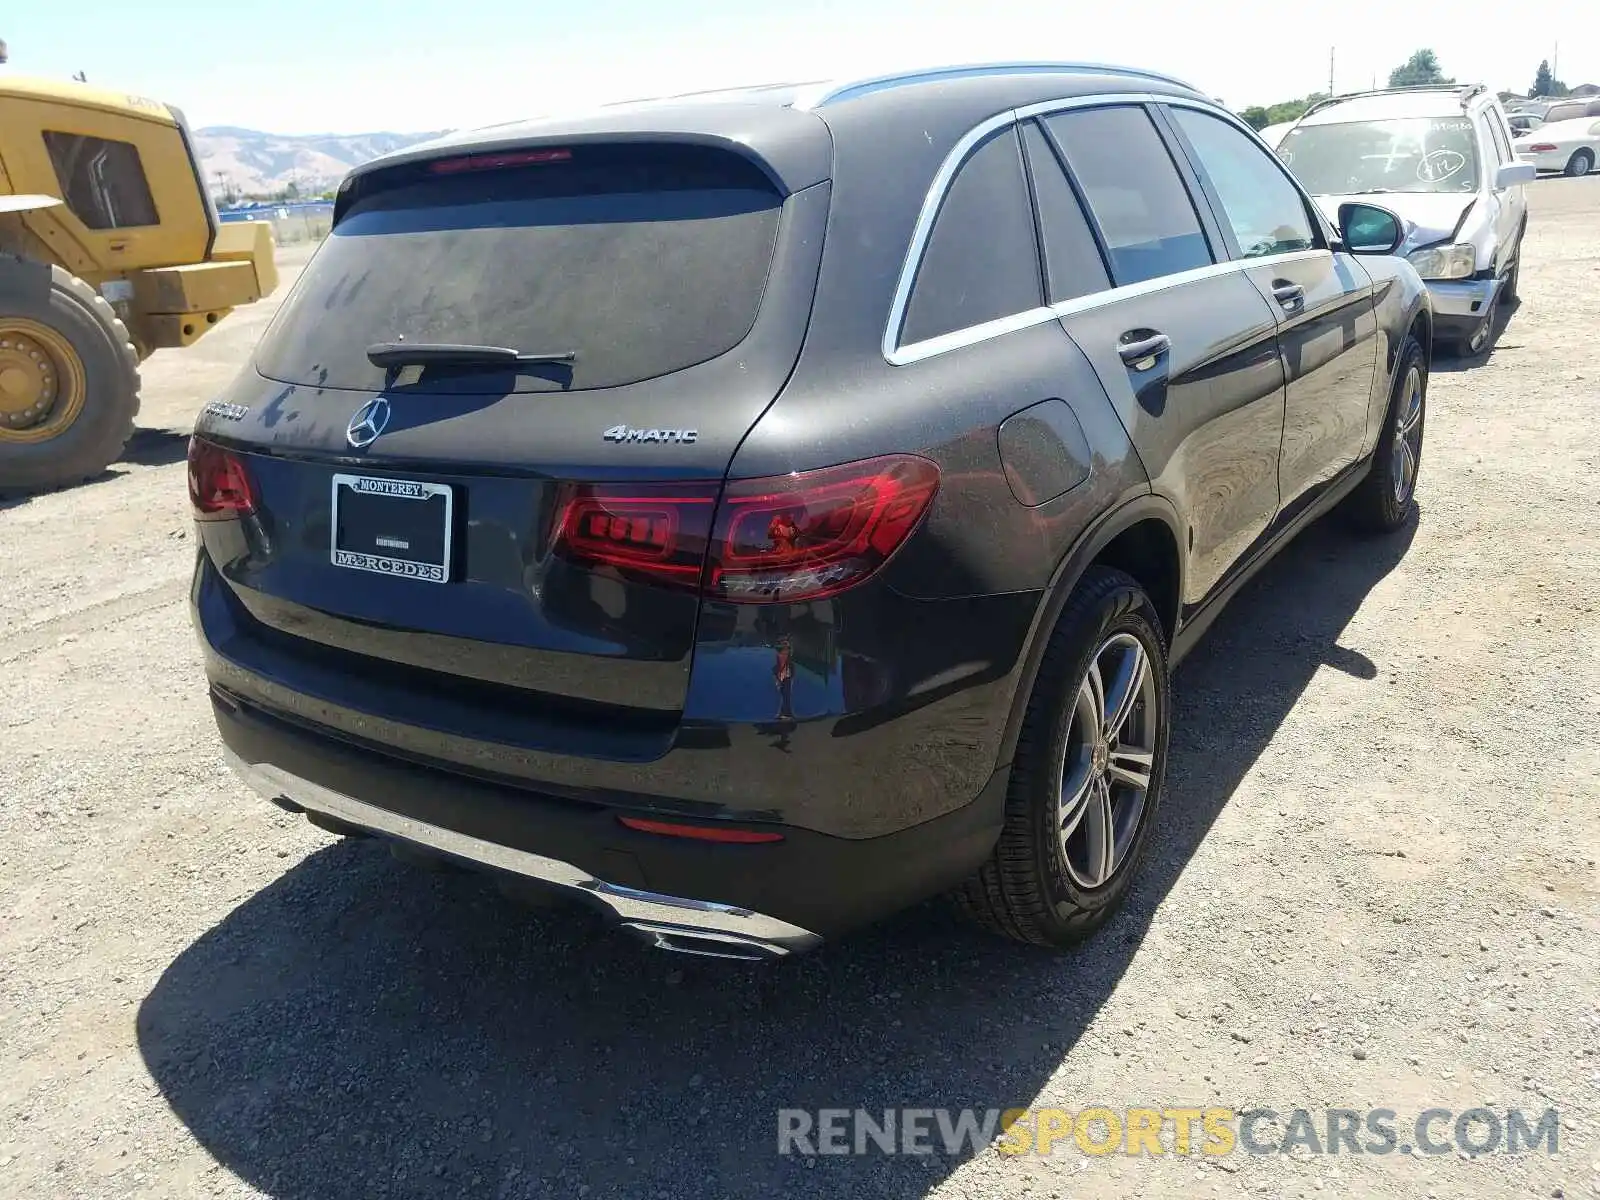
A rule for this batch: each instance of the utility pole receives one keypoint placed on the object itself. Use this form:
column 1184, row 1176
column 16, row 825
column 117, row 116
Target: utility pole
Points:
column 1330, row 70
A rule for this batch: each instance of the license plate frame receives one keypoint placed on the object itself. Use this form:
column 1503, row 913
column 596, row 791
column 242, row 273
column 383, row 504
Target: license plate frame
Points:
column 423, row 570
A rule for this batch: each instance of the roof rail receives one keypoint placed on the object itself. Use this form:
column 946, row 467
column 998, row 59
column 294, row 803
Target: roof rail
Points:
column 1466, row 93
column 752, row 89
column 845, row 89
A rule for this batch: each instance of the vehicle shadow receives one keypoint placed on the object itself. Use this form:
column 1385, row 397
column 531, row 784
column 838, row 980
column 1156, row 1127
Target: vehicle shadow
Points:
column 155, row 447
column 361, row 1028
column 145, row 448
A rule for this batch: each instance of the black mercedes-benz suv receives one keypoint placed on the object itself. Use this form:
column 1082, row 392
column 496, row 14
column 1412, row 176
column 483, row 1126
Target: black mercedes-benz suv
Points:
column 752, row 513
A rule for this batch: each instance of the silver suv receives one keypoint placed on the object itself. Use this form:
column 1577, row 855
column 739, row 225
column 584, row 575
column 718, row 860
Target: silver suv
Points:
column 1441, row 158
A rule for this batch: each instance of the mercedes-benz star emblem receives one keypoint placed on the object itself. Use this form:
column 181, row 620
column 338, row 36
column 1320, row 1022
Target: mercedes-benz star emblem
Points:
column 370, row 420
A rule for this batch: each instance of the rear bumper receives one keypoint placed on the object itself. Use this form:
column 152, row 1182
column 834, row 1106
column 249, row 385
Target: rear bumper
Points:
column 1550, row 160
column 906, row 726
column 670, row 922
column 743, row 901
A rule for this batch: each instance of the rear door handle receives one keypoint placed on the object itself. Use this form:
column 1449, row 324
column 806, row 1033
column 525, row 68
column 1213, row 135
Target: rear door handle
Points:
column 1145, row 346
column 1290, row 295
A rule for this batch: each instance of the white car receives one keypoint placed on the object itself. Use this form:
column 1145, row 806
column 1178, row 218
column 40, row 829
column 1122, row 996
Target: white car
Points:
column 1570, row 109
column 1570, row 147
column 1273, row 134
column 1440, row 159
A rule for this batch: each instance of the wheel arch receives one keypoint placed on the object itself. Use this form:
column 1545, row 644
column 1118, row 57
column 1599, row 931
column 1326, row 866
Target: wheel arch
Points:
column 1421, row 328
column 1142, row 538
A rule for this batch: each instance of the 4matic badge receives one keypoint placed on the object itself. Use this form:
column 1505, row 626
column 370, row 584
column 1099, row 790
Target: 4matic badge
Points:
column 627, row 433
column 224, row 411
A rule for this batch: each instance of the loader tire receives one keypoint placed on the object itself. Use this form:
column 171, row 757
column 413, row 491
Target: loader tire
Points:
column 69, row 378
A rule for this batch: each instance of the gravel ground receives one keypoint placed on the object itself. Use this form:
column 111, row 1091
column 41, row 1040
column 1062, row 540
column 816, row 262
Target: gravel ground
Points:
column 1375, row 886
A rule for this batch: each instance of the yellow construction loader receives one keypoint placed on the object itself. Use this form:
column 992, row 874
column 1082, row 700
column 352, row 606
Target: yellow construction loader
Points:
column 110, row 249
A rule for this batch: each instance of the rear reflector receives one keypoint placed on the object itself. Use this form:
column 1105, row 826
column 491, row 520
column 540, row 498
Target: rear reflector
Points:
column 1543, row 147
column 794, row 537
column 493, row 162
column 219, row 485
column 704, row 833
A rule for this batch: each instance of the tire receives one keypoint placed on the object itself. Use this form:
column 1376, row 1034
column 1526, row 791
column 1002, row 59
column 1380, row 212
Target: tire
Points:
column 1581, row 163
column 1476, row 342
column 1508, row 290
column 68, row 307
column 1381, row 504
column 1033, row 888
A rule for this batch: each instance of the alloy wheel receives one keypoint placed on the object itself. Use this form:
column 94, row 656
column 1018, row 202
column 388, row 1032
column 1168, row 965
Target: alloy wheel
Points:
column 1110, row 754
column 1406, row 453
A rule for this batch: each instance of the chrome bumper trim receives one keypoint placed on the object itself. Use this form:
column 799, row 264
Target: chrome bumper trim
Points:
column 668, row 922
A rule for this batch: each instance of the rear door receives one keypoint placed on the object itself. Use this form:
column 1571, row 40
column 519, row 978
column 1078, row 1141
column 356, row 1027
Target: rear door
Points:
column 1512, row 201
column 1183, row 343
column 1327, row 326
column 409, row 516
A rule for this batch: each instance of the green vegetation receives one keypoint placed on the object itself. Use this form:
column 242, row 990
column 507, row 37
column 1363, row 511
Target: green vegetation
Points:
column 1545, row 83
column 1421, row 68
column 1259, row 117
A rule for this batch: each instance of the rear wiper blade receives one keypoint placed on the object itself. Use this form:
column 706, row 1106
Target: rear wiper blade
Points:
column 450, row 354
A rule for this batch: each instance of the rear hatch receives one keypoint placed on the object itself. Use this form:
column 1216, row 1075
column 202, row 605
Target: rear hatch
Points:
column 406, row 512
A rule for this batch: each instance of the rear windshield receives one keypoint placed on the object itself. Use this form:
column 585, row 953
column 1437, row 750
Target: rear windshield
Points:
column 639, row 261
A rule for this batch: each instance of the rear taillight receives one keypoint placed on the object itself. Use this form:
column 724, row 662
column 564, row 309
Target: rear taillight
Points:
column 792, row 537
column 814, row 533
column 219, row 485
column 652, row 532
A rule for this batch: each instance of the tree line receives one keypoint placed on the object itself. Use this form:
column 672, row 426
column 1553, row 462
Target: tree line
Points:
column 1420, row 69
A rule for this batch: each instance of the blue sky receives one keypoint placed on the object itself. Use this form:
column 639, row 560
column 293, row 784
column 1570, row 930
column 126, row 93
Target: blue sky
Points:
column 301, row 66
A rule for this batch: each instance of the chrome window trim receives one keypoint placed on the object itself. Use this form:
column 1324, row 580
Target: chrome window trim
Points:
column 960, row 338
column 932, row 200
column 898, row 355
column 956, row 339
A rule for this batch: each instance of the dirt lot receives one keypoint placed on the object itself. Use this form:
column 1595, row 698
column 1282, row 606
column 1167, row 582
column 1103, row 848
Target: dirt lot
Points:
column 1375, row 886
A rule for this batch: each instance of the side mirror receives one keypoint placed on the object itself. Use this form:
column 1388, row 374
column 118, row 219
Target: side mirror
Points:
column 1368, row 229
column 1512, row 173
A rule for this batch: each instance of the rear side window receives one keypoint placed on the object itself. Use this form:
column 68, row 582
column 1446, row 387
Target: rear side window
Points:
column 1134, row 191
column 981, row 261
column 1497, row 131
column 1265, row 211
column 639, row 260
column 102, row 181
column 1072, row 263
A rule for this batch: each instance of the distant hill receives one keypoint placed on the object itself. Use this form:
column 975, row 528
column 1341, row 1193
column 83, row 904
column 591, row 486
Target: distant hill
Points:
column 250, row 162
